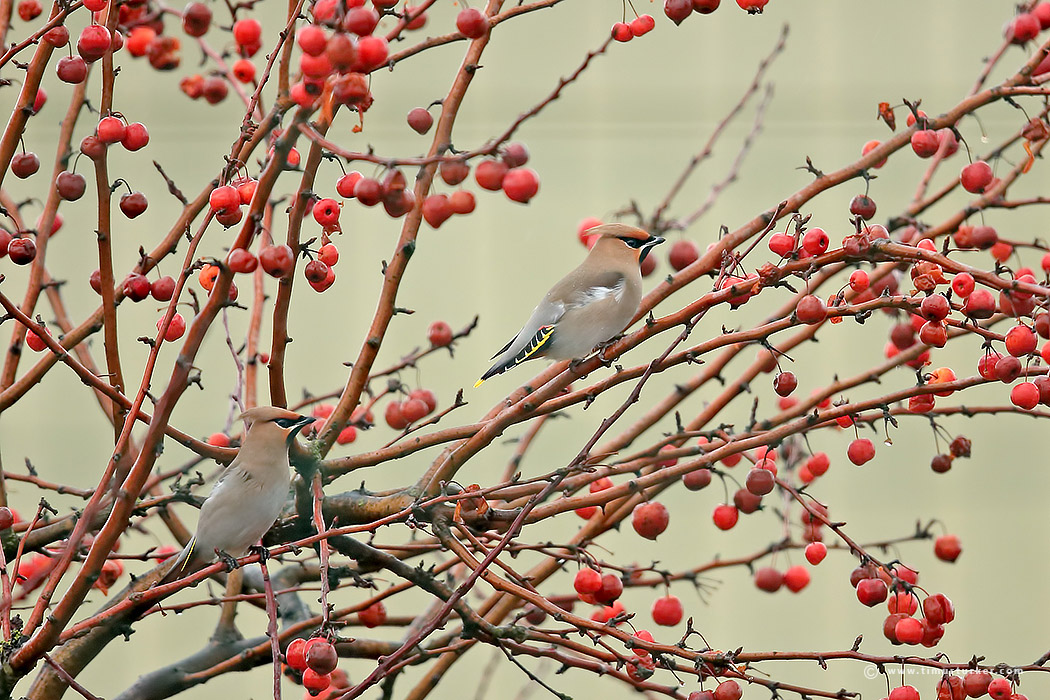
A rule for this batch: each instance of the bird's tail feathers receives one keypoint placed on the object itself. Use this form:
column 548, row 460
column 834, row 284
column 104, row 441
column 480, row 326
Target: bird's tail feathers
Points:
column 536, row 346
column 180, row 566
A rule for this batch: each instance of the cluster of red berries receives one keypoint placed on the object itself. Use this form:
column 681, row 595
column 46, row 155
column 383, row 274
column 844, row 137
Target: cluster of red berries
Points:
column 679, row 10
column 726, row 690
column 974, row 684
column 316, row 659
column 1025, row 26
column 639, row 26
column 419, row 404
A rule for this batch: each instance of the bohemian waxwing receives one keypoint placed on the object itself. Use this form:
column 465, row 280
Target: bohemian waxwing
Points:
column 590, row 306
column 249, row 495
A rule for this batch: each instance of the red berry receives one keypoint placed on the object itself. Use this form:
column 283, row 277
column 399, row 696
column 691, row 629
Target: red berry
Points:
column 784, row 383
column 697, row 480
column 612, row 588
column 136, row 136
column 782, row 244
column 976, row 176
column 326, row 212
column 859, row 281
column 976, row 683
column 276, row 260
column 472, row 23
column 372, row 51
column 621, row 31
column 725, row 516
column 24, row 164
column 453, row 172
column 815, row 241
column 93, row 43
column 587, row 581
column 871, row 591
column 414, row 410
column 71, row 186
column 938, row 609
column 315, row 682
column 196, row 19
column 368, row 191
column 768, row 579
column 420, row 120
column 436, row 209
column 36, row 344
column 461, row 202
column 72, row 69
column 705, row 7
column 221, row 440
column 1025, row 395
column 667, row 611
column 642, row 24
column 521, row 184
column 678, row 10
column 163, row 289
column 980, row 304
column 57, row 36
column 683, row 253
column 295, row 655
column 650, row 519
column 815, row 552
column 947, row 547
column 752, row 7
column 133, row 204
column 760, row 481
column 811, row 310
column 321, row 657
column 247, row 32
column 490, row 174
column 394, row 418
column 373, row 616
column 1023, row 28
column 1020, row 341
column 22, row 251
column 963, row 284
column 860, row 451
column 312, row 39
column 439, row 334
column 933, row 333
column 925, row 142
column 863, row 206
column 224, row 198
column 730, row 689
column 345, row 185
column 176, row 328
column 796, row 577
column 315, row 271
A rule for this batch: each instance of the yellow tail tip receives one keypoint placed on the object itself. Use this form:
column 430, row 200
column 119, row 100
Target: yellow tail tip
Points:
column 478, row 383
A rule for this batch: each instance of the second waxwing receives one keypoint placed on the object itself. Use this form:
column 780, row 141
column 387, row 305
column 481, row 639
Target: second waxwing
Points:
column 249, row 495
column 589, row 306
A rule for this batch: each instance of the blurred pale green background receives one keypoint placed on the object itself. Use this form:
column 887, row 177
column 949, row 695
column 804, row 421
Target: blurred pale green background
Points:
column 622, row 133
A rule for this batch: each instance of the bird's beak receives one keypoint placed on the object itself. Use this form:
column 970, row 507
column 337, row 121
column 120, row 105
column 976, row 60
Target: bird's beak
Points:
column 649, row 244
column 298, row 425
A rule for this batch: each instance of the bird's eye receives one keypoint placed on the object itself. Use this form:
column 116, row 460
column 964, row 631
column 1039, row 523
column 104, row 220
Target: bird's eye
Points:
column 632, row 242
column 285, row 422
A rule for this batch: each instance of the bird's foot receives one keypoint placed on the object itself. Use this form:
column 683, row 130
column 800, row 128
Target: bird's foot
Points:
column 228, row 560
column 263, row 552
column 600, row 349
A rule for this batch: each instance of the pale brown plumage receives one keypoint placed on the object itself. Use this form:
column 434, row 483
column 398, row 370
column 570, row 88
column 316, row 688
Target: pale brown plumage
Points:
column 589, row 306
column 249, row 495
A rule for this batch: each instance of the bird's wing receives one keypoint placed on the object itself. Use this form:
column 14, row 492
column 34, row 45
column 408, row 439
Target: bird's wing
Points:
column 599, row 288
